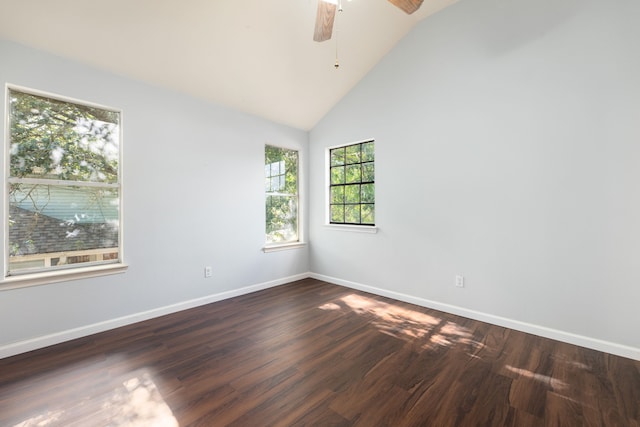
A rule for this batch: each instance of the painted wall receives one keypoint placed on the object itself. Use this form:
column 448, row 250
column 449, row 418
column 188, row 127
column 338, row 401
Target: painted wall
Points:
column 507, row 144
column 193, row 196
column 507, row 150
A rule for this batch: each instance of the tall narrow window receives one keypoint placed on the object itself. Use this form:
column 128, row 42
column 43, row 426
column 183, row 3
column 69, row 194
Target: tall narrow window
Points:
column 63, row 184
column 352, row 184
column 281, row 187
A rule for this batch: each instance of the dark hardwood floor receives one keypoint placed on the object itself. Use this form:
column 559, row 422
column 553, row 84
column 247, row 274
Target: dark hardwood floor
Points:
column 311, row 353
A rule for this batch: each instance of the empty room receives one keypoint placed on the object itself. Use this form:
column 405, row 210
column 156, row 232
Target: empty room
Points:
column 320, row 212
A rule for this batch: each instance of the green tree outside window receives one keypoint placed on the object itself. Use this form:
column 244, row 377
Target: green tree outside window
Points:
column 63, row 184
column 352, row 184
column 281, row 189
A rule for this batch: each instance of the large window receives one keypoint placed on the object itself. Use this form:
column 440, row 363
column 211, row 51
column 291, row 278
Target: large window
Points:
column 281, row 188
column 63, row 186
column 352, row 184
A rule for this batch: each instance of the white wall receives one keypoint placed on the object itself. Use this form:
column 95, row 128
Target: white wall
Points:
column 507, row 143
column 193, row 196
column 507, row 150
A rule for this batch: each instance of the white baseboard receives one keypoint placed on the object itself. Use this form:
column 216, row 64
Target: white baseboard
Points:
column 582, row 341
column 59, row 337
column 83, row 331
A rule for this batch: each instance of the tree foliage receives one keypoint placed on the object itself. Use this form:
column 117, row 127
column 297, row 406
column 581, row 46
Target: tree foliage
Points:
column 352, row 179
column 281, row 186
column 63, row 158
column 62, row 140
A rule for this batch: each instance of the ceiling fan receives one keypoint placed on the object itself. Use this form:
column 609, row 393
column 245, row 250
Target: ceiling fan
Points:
column 327, row 13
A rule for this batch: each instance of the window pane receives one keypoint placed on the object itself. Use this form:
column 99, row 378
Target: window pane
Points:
column 55, row 139
column 352, row 214
column 368, row 216
column 368, row 172
column 353, row 154
column 44, row 221
column 367, row 194
column 282, row 219
column 353, row 174
column 337, row 213
column 290, row 185
column 352, row 194
column 282, row 169
column 274, row 183
column 337, row 175
column 367, row 152
column 337, row 157
column 337, row 195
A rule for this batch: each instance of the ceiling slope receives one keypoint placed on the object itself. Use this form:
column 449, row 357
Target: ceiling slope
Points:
column 255, row 56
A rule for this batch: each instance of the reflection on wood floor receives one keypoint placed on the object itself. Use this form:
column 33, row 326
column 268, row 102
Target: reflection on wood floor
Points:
column 312, row 353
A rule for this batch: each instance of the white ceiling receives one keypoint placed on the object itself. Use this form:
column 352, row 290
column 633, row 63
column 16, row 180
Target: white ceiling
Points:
column 255, row 56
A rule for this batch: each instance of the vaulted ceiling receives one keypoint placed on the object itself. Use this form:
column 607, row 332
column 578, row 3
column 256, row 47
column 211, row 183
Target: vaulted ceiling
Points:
column 256, row 56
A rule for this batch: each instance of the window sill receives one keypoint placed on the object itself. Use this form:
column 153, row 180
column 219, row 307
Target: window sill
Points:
column 36, row 279
column 283, row 247
column 353, row 228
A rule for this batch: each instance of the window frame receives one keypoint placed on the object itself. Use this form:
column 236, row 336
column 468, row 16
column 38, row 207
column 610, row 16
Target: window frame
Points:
column 352, row 227
column 17, row 279
column 299, row 242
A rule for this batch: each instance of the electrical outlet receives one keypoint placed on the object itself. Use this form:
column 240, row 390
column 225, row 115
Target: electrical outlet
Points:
column 208, row 271
column 460, row 281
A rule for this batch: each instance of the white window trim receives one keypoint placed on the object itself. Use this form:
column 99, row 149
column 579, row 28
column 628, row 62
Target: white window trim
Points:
column 364, row 228
column 369, row 229
column 21, row 280
column 45, row 278
column 283, row 247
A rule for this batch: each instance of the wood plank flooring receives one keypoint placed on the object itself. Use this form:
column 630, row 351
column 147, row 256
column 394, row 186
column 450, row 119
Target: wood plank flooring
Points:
column 312, row 353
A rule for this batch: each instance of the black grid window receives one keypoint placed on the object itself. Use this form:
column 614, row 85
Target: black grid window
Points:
column 352, row 184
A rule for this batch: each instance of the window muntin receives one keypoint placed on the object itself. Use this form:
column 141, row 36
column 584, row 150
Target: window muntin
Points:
column 63, row 186
column 281, row 190
column 352, row 184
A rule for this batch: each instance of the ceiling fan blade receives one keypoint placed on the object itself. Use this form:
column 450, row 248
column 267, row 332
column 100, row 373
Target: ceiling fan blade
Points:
column 409, row 6
column 324, row 21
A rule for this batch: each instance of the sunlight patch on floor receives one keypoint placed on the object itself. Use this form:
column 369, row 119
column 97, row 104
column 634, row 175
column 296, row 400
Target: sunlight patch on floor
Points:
column 554, row 383
column 329, row 306
column 406, row 323
column 49, row 419
column 136, row 403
